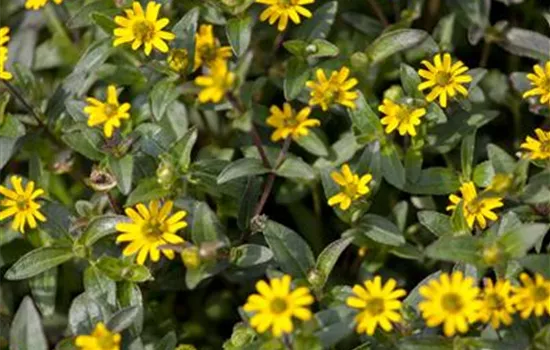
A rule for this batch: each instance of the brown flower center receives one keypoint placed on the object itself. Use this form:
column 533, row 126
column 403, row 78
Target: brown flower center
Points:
column 540, row 294
column 474, row 206
column 375, row 306
column 545, row 146
column 442, row 78
column 278, row 305
column 110, row 110
column 144, row 30
column 452, row 303
column 494, row 301
column 22, row 203
column 153, row 229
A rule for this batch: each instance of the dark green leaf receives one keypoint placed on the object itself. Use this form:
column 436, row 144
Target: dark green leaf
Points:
column 121, row 270
column 185, row 30
column 526, row 43
column 206, row 226
column 182, row 149
column 122, row 169
column 437, row 223
column 366, row 124
column 381, row 230
column 296, row 168
column 518, row 241
column 410, row 81
column 502, row 162
column 392, row 167
column 396, row 41
column 161, row 96
column 462, row 249
column 99, row 286
column 104, row 22
column 84, row 313
column 435, row 181
column 100, row 227
column 43, row 289
column 467, row 155
column 146, row 191
column 38, row 261
column 319, row 25
column 328, row 258
column 168, row 342
column 129, row 294
column 313, row 144
column 239, row 33
column 297, row 73
column 26, row 332
column 123, row 319
column 248, row 255
column 10, row 131
column 241, row 168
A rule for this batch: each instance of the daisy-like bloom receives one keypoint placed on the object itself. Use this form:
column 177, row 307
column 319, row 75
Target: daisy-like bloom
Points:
column 532, row 296
column 100, row 339
column 541, row 82
column 38, row 4
column 475, row 207
column 208, row 49
column 143, row 28
column 151, row 228
column 325, row 92
column 20, row 203
column 289, row 123
column 215, row 85
column 276, row 304
column 400, row 117
column 178, row 60
column 379, row 305
column 282, row 10
column 108, row 113
column 4, row 35
column 4, row 74
column 497, row 305
column 352, row 187
column 444, row 78
column 538, row 149
column 452, row 300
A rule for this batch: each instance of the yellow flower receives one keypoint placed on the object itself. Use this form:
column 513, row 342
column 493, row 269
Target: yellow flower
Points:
column 214, row 85
column 352, row 187
column 500, row 183
column 275, row 305
column 4, row 35
column 282, row 10
column 208, row 49
column 475, row 207
column 400, row 117
column 538, row 149
column 288, row 122
column 326, row 92
column 151, row 228
column 38, row 4
column 4, row 75
column 452, row 301
column 496, row 303
column 178, row 60
column 444, row 78
column 379, row 305
column 191, row 257
column 533, row 295
column 143, row 28
column 100, row 339
column 108, row 113
column 20, row 203
column 541, row 82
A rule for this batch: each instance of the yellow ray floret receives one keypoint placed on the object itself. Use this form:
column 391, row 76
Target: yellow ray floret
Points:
column 208, row 50
column 352, row 187
column 537, row 148
column 38, row 4
column 100, row 339
column 4, row 35
column 143, row 28
column 497, row 305
column 533, row 296
column 4, row 75
column 541, row 82
column 276, row 304
column 21, row 204
column 444, row 78
column 400, row 117
column 289, row 123
column 108, row 113
column 151, row 227
column 216, row 83
column 334, row 90
column 282, row 10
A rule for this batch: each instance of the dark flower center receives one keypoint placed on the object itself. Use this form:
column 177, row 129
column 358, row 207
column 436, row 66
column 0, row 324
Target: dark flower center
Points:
column 495, row 301
column 153, row 229
column 375, row 306
column 278, row 305
column 452, row 303
column 540, row 294
column 110, row 110
column 442, row 78
column 144, row 30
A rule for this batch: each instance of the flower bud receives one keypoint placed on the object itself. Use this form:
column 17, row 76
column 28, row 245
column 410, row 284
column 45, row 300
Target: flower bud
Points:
column 492, row 255
column 242, row 335
column 394, row 93
column 178, row 60
column 190, row 257
column 258, row 223
column 316, row 278
column 101, row 180
column 165, row 173
column 500, row 183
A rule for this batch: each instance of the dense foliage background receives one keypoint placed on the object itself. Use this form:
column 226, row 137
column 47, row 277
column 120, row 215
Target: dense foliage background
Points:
column 202, row 156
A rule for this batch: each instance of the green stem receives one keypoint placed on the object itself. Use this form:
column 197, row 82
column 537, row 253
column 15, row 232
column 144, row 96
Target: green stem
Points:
column 378, row 12
column 485, row 53
column 24, row 102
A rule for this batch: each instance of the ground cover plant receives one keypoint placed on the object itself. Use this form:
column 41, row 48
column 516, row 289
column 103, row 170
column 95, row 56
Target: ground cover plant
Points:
column 274, row 174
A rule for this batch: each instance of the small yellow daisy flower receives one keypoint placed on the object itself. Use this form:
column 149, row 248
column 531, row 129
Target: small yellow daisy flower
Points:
column 282, row 10
column 475, row 207
column 352, row 187
column 288, row 122
column 178, row 60
column 532, row 296
column 151, row 228
column 216, row 84
column 379, row 305
column 143, row 28
column 4, row 35
column 208, row 49
column 38, row 4
column 276, row 304
column 400, row 117
column 4, row 74
column 538, row 149
column 541, row 82
column 444, row 78
column 452, row 300
column 326, row 92
column 20, row 203
column 108, row 113
column 497, row 305
column 100, row 339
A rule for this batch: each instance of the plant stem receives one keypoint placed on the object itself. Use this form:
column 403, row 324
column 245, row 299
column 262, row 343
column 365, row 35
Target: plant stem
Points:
column 378, row 12
column 485, row 53
column 113, row 203
column 24, row 102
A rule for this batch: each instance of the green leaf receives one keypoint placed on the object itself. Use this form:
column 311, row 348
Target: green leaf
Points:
column 104, row 22
column 123, row 319
column 366, row 124
column 85, row 142
column 248, row 255
column 10, row 131
column 162, row 95
column 295, row 47
column 123, row 270
column 390, row 43
column 539, row 263
column 182, row 149
column 44, row 289
column 291, row 252
column 502, row 162
column 168, row 342
column 85, row 312
column 435, row 181
column 146, row 191
column 369, row 26
column 99, row 286
column 313, row 144
column 483, row 174
column 437, row 223
column 26, row 332
column 320, row 48
column 297, row 73
column 318, row 26
column 206, row 226
column 410, row 81
column 100, row 227
column 37, row 261
column 462, row 249
column 381, row 230
column 241, row 168
column 129, row 294
column 413, row 164
column 239, row 33
column 467, row 154
column 185, row 30
column 519, row 241
column 414, row 297
column 334, row 325
column 328, row 258
column 296, row 168
column 526, row 43
column 392, row 168
column 122, row 169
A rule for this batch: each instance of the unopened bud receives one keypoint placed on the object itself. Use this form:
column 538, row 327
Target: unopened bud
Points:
column 362, row 252
column 242, row 335
column 178, row 60
column 311, row 49
column 190, row 257
column 492, row 255
column 394, row 93
column 258, row 223
column 500, row 183
column 101, row 180
column 209, row 250
column 316, row 278
column 165, row 174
